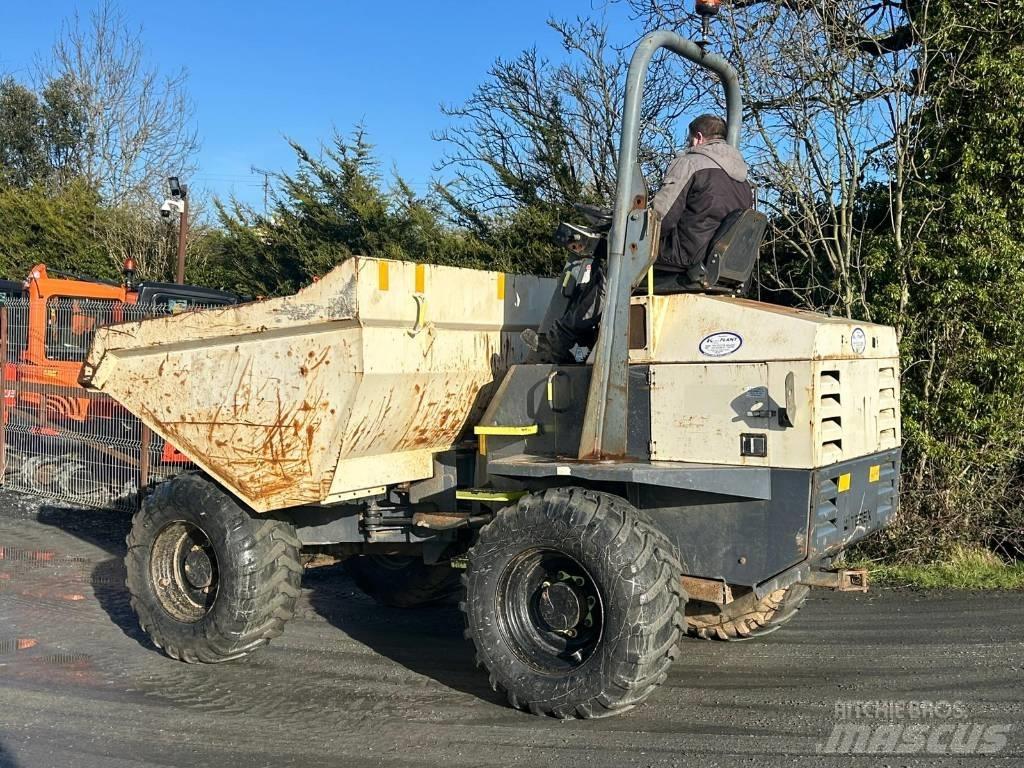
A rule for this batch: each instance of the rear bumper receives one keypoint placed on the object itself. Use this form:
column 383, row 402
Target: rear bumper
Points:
column 851, row 500
column 848, row 502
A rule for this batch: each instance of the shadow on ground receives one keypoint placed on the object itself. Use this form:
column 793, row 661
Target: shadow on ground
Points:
column 6, row 758
column 427, row 641
column 105, row 529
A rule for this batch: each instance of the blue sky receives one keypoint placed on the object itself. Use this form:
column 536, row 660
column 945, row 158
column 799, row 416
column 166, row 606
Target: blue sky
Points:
column 261, row 70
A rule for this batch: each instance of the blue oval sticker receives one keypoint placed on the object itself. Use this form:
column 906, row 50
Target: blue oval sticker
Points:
column 720, row 344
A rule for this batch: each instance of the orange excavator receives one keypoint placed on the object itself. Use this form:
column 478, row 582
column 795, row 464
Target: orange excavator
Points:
column 47, row 323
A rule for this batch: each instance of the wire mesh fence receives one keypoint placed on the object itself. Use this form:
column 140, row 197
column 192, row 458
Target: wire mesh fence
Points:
column 61, row 440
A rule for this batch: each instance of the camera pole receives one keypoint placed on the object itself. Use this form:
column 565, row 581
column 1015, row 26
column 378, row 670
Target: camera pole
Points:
column 182, row 236
column 178, row 202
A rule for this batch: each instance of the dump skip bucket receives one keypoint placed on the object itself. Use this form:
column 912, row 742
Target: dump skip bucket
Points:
column 350, row 385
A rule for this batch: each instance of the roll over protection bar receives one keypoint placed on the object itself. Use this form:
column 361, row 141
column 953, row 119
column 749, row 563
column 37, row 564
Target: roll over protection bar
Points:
column 604, row 427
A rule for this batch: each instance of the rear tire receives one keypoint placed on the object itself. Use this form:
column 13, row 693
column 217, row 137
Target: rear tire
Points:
column 209, row 581
column 574, row 604
column 402, row 582
column 746, row 617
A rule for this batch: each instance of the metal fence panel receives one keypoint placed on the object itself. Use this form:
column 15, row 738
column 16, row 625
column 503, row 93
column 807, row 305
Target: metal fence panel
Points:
column 59, row 439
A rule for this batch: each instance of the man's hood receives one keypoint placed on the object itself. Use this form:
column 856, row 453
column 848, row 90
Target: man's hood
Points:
column 724, row 155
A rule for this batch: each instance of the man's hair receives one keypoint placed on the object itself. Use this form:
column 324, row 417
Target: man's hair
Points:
column 709, row 126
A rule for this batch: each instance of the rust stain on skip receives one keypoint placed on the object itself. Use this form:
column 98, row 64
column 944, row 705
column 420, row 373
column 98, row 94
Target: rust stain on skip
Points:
column 275, row 418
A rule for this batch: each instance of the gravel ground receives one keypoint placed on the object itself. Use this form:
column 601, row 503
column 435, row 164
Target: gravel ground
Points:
column 353, row 684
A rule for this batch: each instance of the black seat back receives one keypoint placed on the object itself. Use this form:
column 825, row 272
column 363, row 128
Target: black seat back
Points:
column 732, row 254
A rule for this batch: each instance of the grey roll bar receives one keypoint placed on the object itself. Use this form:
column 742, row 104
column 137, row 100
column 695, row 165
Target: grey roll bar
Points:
column 604, row 426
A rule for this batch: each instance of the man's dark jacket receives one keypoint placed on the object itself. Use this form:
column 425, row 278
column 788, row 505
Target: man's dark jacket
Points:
column 702, row 186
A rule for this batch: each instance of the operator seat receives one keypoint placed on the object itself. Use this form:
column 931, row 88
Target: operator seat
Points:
column 729, row 262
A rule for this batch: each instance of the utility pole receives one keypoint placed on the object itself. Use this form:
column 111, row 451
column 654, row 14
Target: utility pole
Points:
column 179, row 194
column 266, row 184
column 182, row 238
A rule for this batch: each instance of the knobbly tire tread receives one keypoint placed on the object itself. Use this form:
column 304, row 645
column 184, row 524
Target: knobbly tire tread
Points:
column 255, row 600
column 607, row 535
column 410, row 587
column 745, row 619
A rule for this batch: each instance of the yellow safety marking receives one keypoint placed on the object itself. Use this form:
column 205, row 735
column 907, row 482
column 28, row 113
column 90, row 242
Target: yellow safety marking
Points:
column 478, row 495
column 551, row 388
column 650, row 281
column 874, row 473
column 501, row 286
column 421, row 278
column 843, row 483
column 483, row 445
column 382, row 275
column 526, row 429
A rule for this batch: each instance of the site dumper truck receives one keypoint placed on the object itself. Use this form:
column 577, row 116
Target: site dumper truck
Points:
column 697, row 474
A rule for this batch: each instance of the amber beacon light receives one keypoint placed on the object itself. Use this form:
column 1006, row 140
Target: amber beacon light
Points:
column 706, row 9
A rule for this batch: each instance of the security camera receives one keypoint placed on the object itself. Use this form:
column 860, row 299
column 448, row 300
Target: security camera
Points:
column 171, row 205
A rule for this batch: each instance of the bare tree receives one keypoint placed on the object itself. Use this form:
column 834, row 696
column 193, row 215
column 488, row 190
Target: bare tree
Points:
column 835, row 98
column 131, row 231
column 138, row 121
column 543, row 132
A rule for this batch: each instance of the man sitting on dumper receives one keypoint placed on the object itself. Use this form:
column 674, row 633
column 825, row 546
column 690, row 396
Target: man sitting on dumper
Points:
column 703, row 185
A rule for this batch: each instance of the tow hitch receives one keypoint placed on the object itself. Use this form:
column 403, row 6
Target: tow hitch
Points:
column 843, row 580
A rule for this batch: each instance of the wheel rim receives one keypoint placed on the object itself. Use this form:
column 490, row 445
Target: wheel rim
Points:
column 184, row 571
column 550, row 611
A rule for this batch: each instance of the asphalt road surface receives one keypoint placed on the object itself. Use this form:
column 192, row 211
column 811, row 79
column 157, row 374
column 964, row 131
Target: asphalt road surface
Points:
column 353, row 684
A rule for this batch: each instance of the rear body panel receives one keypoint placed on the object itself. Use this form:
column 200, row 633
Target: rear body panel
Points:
column 760, row 439
column 807, row 519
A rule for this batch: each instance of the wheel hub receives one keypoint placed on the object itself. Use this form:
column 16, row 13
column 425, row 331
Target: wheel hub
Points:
column 198, row 568
column 184, row 571
column 550, row 610
column 559, row 606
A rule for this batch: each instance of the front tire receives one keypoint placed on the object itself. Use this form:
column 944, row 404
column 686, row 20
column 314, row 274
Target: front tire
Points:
column 208, row 580
column 574, row 604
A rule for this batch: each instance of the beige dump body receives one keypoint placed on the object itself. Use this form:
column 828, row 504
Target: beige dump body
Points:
column 349, row 385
